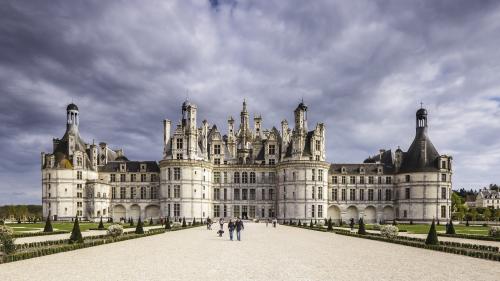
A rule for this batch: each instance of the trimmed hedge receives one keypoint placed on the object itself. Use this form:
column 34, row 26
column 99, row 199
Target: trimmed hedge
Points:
column 471, row 236
column 31, row 234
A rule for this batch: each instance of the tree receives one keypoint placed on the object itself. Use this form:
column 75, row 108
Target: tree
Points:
column 101, row 225
column 497, row 214
column 361, row 228
column 311, row 224
column 432, row 238
column 48, row 225
column 394, row 222
column 76, row 234
column 330, row 225
column 138, row 228
column 194, row 221
column 131, row 222
column 167, row 223
column 300, row 224
column 184, row 222
column 151, row 221
column 450, row 229
column 473, row 214
column 487, row 214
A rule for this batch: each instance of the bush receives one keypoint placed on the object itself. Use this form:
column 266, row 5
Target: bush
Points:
column 321, row 222
column 494, row 231
column 184, row 222
column 131, row 221
column 167, row 223
column 48, row 225
column 194, row 221
column 151, row 221
column 450, row 229
column 467, row 223
column 115, row 230
column 139, row 229
column 311, row 224
column 300, row 224
column 432, row 238
column 101, row 225
column 361, row 228
column 389, row 231
column 394, row 222
column 376, row 226
column 76, row 234
column 176, row 224
column 7, row 239
column 330, row 224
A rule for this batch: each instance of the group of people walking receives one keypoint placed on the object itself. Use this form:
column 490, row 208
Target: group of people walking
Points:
column 236, row 225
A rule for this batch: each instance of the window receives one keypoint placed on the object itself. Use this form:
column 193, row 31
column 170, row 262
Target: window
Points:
column 216, row 211
column 143, row 192
column 132, row 177
column 153, row 177
column 168, row 192
column 236, row 211
column 388, row 180
column 272, row 177
column 334, row 194
column 252, row 177
column 177, row 191
column 263, row 195
column 132, row 192
column 225, row 177
column 244, row 194
column 169, row 174
column 443, row 192
column 123, row 177
column 443, row 211
column 143, row 177
column 271, row 194
column 177, row 210
column 343, row 180
column 343, row 195
column 405, row 213
column 78, row 175
column 362, row 194
column 178, row 156
column 379, row 180
column 370, row 194
column 225, row 194
column 272, row 161
column 407, row 178
column 379, row 195
column 312, row 211
column 252, row 211
column 320, row 211
column 225, row 211
column 320, row 174
column 113, row 178
column 216, row 194
column 313, row 176
column 216, row 177
column 113, row 192
column 388, row 195
column 79, row 195
column 252, row 194
column 154, row 192
column 370, row 180
column 272, row 149
column 123, row 192
column 407, row 193
column 320, row 193
column 362, row 180
column 244, row 177
column 318, row 145
column 236, row 194
column 217, row 149
column 352, row 194
column 179, row 144
column 443, row 164
column 177, row 174
column 443, row 177
column 352, row 179
column 236, row 177
column 217, row 161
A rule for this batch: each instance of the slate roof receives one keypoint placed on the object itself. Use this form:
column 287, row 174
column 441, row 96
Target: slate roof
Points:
column 418, row 159
column 131, row 167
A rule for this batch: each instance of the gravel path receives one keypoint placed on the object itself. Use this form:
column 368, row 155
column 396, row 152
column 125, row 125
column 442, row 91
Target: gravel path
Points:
column 285, row 253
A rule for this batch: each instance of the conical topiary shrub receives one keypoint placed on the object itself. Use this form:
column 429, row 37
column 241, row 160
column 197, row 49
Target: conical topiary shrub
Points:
column 300, row 224
column 184, row 222
column 138, row 228
column 467, row 222
column 131, row 222
column 394, row 222
column 167, row 223
column 450, row 229
column 361, row 227
column 151, row 221
column 76, row 234
column 330, row 224
column 432, row 238
column 101, row 225
column 311, row 224
column 194, row 221
column 48, row 225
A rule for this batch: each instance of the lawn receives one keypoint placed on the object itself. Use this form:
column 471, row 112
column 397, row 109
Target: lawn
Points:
column 61, row 226
column 424, row 228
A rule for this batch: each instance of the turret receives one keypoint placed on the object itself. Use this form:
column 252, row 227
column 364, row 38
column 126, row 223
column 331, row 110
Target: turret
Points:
column 166, row 136
column 301, row 118
column 72, row 118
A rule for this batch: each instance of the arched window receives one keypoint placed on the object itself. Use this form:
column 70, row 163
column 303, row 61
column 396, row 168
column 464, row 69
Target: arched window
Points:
column 236, row 178
column 244, row 177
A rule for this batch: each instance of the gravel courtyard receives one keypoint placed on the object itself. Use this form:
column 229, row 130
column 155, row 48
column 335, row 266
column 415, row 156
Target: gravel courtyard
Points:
column 284, row 253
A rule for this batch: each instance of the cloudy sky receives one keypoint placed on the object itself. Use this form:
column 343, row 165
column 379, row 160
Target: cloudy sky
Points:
column 362, row 67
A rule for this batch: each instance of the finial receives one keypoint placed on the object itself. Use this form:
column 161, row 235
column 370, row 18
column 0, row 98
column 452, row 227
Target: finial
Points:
column 302, row 100
column 421, row 105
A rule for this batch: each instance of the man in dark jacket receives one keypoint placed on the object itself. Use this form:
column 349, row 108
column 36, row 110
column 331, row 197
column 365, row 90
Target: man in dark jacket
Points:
column 231, row 225
column 239, row 228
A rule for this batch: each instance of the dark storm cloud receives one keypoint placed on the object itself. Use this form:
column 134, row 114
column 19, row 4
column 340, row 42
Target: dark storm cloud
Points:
column 362, row 67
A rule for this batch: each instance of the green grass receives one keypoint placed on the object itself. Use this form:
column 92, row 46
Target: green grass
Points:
column 61, row 226
column 424, row 228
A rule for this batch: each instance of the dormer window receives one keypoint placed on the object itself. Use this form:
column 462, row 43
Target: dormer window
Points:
column 122, row 167
column 143, row 167
column 343, row 170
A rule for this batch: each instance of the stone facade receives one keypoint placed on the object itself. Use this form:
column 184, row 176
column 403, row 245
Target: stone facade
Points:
column 248, row 172
column 487, row 198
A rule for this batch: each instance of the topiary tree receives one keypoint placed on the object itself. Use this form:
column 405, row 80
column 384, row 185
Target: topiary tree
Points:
column 450, row 229
column 167, row 223
column 300, row 224
column 432, row 238
column 467, row 222
column 411, row 221
column 131, row 222
column 194, row 221
column 394, row 222
column 330, row 225
column 76, row 234
column 361, row 227
column 311, row 224
column 184, row 222
column 138, row 228
column 18, row 220
column 151, row 221
column 48, row 225
column 101, row 225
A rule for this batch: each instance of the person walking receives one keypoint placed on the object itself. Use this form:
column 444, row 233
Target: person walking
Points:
column 351, row 224
column 231, row 227
column 267, row 222
column 239, row 228
column 275, row 221
column 221, row 223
